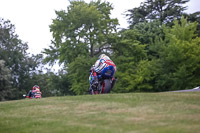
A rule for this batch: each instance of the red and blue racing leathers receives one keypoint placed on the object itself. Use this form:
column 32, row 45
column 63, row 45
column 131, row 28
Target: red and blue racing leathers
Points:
column 105, row 67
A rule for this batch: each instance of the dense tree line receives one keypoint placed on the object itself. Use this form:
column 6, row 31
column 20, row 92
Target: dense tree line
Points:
column 159, row 51
column 20, row 71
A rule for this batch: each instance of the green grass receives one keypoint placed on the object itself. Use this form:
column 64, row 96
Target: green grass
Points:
column 112, row 113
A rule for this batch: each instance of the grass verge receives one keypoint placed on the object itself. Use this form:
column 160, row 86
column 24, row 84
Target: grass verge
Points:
column 111, row 113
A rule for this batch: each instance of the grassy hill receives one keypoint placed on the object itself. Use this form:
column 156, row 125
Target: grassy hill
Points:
column 112, row 113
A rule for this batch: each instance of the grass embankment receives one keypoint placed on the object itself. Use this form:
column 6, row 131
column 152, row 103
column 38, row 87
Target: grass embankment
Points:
column 113, row 113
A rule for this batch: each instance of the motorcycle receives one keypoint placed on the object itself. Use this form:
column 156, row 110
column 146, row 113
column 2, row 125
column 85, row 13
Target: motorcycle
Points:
column 104, row 85
column 33, row 94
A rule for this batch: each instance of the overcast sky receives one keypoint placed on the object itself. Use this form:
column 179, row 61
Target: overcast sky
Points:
column 33, row 17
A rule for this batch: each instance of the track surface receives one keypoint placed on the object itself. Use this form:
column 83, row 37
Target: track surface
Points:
column 190, row 90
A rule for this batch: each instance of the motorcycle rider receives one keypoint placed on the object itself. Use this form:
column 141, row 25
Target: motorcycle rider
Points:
column 35, row 93
column 104, row 68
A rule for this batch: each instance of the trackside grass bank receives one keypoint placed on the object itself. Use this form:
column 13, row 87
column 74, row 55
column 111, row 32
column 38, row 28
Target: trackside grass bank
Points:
column 172, row 112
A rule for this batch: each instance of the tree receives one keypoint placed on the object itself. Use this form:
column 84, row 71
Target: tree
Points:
column 194, row 17
column 149, row 34
column 14, row 52
column 78, row 73
column 82, row 30
column 148, row 31
column 50, row 84
column 5, row 76
column 163, row 10
column 128, row 54
column 175, row 66
column 80, row 34
column 179, row 63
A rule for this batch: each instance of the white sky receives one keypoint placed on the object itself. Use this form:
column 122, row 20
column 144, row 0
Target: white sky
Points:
column 33, row 17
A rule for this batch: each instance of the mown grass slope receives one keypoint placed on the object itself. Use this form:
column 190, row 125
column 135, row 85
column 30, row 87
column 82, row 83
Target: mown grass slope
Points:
column 112, row 113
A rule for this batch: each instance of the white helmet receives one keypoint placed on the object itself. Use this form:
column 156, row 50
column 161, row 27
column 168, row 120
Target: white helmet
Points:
column 101, row 56
column 104, row 56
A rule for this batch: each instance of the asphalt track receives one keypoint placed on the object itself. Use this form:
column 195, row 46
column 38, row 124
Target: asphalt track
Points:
column 189, row 90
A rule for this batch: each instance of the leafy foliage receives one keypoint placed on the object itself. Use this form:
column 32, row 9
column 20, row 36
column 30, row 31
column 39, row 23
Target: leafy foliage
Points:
column 5, row 88
column 149, row 32
column 81, row 30
column 175, row 66
column 179, row 62
column 79, row 73
column 163, row 10
column 79, row 34
column 194, row 17
column 127, row 54
column 155, row 53
column 17, row 60
column 51, row 84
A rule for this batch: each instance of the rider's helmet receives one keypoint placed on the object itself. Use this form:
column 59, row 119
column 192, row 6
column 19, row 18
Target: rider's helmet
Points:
column 36, row 87
column 103, row 56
